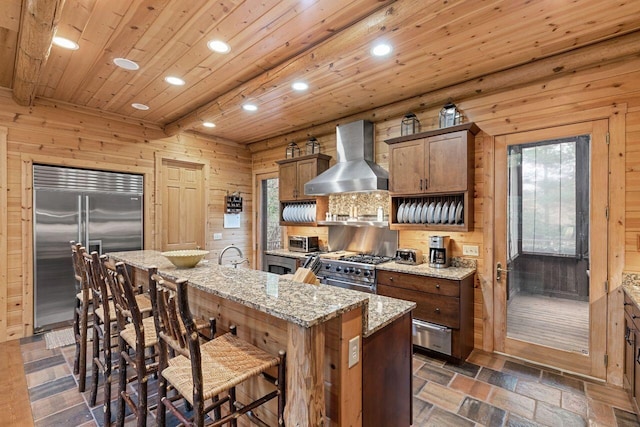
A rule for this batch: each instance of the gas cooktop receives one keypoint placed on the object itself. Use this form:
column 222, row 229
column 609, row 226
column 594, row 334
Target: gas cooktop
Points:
column 366, row 259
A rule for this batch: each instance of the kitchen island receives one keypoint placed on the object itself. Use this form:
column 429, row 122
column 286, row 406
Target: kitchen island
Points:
column 315, row 324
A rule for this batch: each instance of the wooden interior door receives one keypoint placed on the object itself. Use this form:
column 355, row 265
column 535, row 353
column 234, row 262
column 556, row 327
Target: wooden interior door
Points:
column 183, row 210
column 592, row 361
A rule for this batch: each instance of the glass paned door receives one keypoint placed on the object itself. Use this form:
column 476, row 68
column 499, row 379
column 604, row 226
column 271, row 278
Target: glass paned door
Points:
column 550, row 208
column 268, row 230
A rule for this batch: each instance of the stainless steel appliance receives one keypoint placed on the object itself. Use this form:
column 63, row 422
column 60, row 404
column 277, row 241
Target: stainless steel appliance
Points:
column 357, row 272
column 101, row 210
column 280, row 264
column 356, row 169
column 438, row 251
column 431, row 336
column 375, row 246
column 409, row 256
column 303, row 244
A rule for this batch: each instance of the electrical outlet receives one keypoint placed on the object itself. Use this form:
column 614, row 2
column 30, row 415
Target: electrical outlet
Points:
column 217, row 236
column 470, row 250
column 354, row 350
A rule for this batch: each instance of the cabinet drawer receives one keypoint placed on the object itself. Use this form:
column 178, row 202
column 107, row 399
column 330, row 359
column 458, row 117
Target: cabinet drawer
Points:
column 632, row 310
column 420, row 283
column 443, row 310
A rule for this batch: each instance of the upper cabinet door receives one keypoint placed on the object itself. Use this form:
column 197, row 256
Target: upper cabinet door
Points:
column 288, row 181
column 407, row 162
column 307, row 170
column 448, row 163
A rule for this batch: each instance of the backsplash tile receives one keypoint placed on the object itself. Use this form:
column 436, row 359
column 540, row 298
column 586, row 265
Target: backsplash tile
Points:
column 366, row 202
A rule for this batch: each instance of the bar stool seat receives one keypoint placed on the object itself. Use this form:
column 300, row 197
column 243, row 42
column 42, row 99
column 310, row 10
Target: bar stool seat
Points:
column 226, row 362
column 150, row 339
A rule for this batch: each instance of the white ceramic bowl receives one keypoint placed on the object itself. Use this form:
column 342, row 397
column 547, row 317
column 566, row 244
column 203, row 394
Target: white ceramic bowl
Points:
column 185, row 258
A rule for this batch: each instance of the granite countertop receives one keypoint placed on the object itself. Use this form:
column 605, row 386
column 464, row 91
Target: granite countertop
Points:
column 298, row 303
column 455, row 272
column 631, row 285
column 287, row 253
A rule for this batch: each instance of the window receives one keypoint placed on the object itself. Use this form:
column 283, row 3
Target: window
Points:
column 549, row 183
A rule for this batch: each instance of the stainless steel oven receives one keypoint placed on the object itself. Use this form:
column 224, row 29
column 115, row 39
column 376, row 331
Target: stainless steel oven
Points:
column 357, row 272
column 280, row 264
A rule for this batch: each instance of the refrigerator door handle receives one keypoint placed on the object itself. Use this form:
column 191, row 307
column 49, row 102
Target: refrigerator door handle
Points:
column 86, row 220
column 79, row 218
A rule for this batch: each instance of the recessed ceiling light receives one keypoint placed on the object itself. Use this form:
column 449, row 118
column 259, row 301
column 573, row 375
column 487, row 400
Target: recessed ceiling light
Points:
column 250, row 107
column 381, row 49
column 65, row 43
column 125, row 63
column 209, row 125
column 218, row 46
column 138, row 106
column 300, row 86
column 176, row 81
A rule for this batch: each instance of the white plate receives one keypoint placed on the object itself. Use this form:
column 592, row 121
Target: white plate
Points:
column 309, row 213
column 400, row 213
column 297, row 216
column 313, row 212
column 444, row 215
column 437, row 212
column 459, row 219
column 412, row 212
column 452, row 213
column 286, row 214
column 418, row 216
column 432, row 207
column 425, row 210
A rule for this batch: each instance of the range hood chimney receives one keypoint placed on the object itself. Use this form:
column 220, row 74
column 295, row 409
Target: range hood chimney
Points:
column 355, row 170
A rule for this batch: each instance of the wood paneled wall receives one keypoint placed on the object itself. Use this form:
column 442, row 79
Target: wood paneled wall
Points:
column 62, row 135
column 604, row 91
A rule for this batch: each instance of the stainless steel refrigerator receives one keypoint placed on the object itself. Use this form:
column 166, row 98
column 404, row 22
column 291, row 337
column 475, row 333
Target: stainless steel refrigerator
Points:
column 101, row 210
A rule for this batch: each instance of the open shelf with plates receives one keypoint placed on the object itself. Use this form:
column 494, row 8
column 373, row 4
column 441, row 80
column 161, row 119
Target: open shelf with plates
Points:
column 307, row 212
column 446, row 212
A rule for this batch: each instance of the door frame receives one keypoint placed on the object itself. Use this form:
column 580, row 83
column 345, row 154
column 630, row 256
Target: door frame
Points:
column 257, row 224
column 616, row 225
column 593, row 363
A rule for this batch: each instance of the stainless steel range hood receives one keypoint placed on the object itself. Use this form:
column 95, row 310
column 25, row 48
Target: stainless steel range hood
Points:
column 355, row 170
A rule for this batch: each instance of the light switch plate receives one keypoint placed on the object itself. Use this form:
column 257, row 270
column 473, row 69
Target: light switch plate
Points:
column 470, row 250
column 354, row 350
column 217, row 236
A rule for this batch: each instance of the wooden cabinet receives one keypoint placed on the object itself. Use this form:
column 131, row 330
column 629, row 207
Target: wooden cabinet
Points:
column 294, row 173
column 295, row 207
column 441, row 301
column 430, row 167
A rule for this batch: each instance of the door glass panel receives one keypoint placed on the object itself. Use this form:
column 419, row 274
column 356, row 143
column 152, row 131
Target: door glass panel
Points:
column 272, row 238
column 547, row 243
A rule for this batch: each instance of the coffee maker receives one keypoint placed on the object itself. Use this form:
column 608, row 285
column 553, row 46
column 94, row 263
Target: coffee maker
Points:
column 438, row 251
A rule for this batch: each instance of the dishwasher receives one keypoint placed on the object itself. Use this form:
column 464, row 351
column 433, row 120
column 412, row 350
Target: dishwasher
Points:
column 431, row 336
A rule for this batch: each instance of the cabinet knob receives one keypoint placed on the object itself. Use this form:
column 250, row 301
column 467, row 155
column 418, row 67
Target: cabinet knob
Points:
column 437, row 310
column 391, row 278
column 437, row 285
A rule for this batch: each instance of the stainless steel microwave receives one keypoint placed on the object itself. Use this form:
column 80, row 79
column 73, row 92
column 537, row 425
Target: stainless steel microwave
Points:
column 303, row 244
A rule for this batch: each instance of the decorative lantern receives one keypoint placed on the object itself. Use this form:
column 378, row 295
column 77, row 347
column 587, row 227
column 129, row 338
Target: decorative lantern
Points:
column 292, row 150
column 313, row 146
column 449, row 115
column 410, row 125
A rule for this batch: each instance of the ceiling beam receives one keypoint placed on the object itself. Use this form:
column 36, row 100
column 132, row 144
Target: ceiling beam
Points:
column 593, row 55
column 37, row 27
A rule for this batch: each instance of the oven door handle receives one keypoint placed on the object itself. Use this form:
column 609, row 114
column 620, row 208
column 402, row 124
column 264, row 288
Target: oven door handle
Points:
column 362, row 287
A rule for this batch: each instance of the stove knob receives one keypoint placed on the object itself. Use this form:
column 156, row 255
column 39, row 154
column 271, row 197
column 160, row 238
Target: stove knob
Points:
column 328, row 266
column 367, row 273
column 338, row 268
column 358, row 271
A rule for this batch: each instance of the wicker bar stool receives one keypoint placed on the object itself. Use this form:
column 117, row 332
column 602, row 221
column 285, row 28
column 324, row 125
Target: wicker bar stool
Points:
column 199, row 372
column 103, row 339
column 81, row 314
column 137, row 341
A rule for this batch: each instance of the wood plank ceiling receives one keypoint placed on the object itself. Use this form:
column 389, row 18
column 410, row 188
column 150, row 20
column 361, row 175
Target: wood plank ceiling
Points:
column 326, row 43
